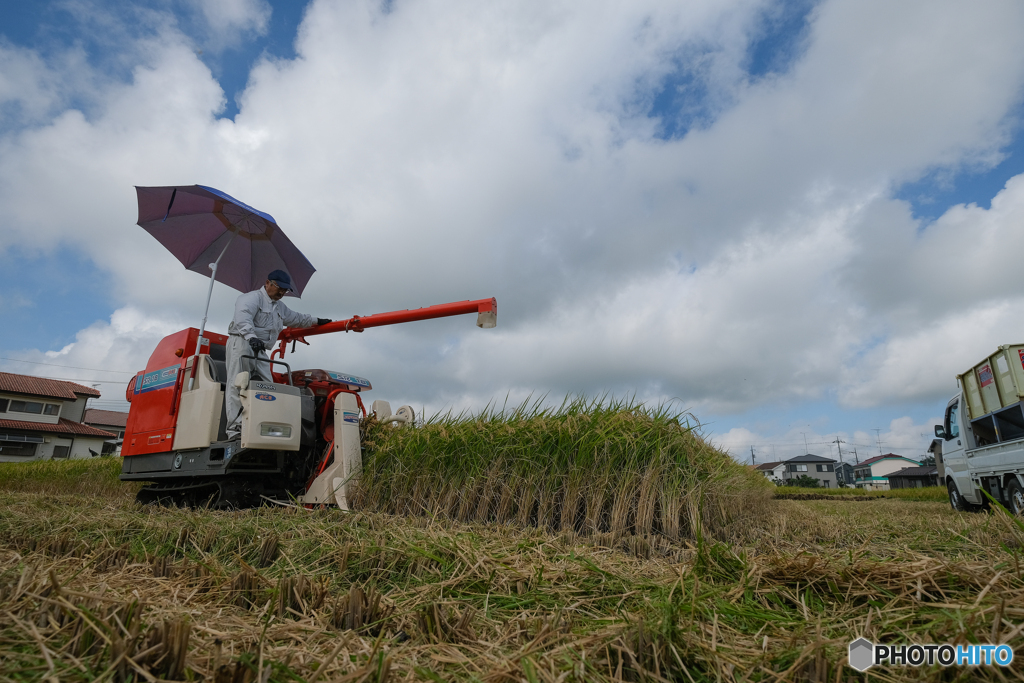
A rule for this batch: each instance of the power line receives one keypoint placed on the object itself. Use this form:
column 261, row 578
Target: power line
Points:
column 73, row 367
column 79, row 380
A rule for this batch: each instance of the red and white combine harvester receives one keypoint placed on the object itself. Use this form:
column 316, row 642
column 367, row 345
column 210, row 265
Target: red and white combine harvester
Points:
column 300, row 428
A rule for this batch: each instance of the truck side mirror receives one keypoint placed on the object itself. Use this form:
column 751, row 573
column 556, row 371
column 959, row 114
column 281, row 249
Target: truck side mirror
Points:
column 940, row 432
column 242, row 381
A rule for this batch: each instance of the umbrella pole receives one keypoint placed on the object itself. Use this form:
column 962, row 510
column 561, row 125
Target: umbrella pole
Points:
column 206, row 311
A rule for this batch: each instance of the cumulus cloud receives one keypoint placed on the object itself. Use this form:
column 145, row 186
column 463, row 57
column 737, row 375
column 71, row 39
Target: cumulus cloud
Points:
column 226, row 22
column 435, row 151
column 105, row 354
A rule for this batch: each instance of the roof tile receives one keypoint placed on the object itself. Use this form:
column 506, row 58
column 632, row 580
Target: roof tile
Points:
column 112, row 418
column 63, row 426
column 40, row 386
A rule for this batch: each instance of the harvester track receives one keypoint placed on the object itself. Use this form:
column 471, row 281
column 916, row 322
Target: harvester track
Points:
column 215, row 495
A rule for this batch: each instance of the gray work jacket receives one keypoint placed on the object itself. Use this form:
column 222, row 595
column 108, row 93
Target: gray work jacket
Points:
column 257, row 315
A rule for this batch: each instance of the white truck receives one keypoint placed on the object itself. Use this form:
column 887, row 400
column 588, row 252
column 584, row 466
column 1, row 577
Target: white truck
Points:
column 983, row 433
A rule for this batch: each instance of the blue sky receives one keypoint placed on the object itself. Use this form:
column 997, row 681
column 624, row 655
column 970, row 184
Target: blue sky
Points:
column 810, row 187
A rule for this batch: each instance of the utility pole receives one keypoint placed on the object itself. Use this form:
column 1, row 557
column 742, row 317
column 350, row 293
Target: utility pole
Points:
column 807, row 448
column 855, row 456
column 751, row 455
column 878, row 437
column 837, row 442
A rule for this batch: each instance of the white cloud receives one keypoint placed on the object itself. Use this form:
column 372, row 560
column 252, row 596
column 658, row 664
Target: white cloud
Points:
column 446, row 151
column 104, row 354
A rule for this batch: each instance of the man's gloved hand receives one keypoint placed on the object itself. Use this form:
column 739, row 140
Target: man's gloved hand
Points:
column 322, row 321
column 257, row 345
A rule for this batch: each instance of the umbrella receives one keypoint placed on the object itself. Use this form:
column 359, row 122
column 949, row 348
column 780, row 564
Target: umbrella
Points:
column 202, row 227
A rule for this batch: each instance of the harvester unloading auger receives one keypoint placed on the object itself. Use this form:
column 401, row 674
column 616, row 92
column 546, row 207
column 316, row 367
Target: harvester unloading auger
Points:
column 300, row 437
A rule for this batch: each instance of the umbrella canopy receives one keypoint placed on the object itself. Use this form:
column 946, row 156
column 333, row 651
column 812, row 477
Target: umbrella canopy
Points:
column 202, row 226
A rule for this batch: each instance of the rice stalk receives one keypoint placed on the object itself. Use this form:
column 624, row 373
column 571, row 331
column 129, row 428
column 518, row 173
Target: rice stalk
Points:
column 589, row 466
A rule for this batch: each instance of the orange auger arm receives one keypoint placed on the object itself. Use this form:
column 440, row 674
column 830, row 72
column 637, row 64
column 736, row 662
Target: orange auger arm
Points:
column 486, row 310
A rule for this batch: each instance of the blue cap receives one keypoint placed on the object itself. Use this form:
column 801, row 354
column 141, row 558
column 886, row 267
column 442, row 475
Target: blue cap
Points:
column 281, row 279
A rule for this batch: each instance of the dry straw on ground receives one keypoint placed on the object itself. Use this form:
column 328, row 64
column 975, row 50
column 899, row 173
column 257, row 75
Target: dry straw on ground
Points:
column 98, row 590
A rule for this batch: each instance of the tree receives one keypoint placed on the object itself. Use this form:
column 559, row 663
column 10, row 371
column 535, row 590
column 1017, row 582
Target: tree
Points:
column 928, row 461
column 803, row 481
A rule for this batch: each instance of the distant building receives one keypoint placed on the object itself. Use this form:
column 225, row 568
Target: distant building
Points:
column 109, row 421
column 873, row 474
column 914, row 477
column 814, row 466
column 844, row 474
column 772, row 470
column 41, row 419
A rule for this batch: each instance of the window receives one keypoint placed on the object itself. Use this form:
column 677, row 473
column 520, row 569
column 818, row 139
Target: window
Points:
column 798, row 468
column 3, row 405
column 24, row 449
column 61, row 452
column 26, row 407
column 824, row 468
column 953, row 421
column 51, row 409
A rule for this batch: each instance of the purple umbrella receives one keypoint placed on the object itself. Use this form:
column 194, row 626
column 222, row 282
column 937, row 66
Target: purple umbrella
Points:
column 202, row 226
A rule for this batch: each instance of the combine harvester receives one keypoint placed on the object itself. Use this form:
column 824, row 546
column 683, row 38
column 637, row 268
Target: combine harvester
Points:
column 300, row 436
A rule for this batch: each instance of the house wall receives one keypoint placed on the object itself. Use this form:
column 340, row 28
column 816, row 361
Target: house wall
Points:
column 75, row 411
column 825, row 479
column 880, row 470
column 40, row 418
column 888, row 466
column 80, row 450
column 51, row 442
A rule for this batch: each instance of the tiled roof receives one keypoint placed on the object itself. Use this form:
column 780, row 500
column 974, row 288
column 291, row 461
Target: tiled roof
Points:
column 38, row 386
column 112, row 418
column 768, row 465
column 62, row 427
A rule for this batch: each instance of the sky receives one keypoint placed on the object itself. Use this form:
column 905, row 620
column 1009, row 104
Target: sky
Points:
column 796, row 221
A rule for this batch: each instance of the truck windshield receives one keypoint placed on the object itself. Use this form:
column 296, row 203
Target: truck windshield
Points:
column 952, row 423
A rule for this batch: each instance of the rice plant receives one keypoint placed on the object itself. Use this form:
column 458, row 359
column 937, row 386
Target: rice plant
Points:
column 589, row 466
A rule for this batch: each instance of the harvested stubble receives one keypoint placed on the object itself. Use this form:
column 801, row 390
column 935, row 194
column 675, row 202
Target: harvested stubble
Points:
column 590, row 467
column 441, row 600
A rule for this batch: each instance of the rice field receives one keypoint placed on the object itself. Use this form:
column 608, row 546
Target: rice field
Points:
column 429, row 585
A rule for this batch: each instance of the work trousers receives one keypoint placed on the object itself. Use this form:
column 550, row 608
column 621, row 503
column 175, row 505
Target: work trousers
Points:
column 237, row 347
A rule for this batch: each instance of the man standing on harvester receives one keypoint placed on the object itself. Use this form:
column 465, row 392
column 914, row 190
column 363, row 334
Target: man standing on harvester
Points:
column 260, row 316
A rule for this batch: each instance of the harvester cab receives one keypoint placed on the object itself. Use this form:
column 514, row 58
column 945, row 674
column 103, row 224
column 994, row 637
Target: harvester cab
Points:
column 300, row 435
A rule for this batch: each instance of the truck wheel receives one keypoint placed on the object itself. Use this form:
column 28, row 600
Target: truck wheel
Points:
column 955, row 500
column 1016, row 495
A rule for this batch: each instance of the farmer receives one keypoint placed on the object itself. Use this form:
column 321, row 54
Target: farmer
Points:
column 260, row 316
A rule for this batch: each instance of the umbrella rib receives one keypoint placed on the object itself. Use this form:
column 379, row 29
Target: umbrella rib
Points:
column 170, row 204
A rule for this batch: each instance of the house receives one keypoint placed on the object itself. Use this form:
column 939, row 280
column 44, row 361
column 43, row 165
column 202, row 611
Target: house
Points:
column 844, row 473
column 814, row 466
column 772, row 470
column 914, row 477
column 873, row 473
column 41, row 419
column 110, row 421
